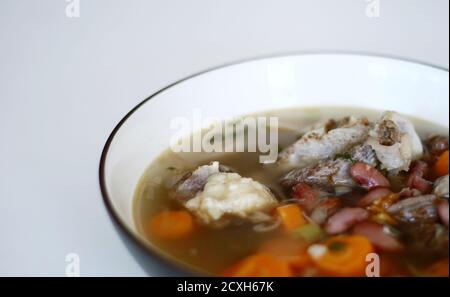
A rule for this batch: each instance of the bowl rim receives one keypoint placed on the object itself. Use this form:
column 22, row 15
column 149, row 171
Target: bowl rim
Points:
column 149, row 249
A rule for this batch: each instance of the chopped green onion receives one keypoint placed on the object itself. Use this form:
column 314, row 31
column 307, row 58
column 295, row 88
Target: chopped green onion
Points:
column 345, row 156
column 310, row 233
column 337, row 246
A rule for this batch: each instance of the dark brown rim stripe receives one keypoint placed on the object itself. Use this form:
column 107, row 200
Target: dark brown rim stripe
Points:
column 172, row 261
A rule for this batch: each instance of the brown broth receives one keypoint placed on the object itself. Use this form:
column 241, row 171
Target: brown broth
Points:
column 213, row 250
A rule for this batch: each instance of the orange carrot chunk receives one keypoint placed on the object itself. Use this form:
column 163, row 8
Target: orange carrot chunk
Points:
column 438, row 269
column 259, row 265
column 344, row 256
column 171, row 224
column 291, row 216
column 441, row 165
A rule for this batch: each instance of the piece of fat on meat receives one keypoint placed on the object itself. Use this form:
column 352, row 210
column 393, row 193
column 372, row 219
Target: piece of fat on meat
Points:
column 326, row 141
column 395, row 142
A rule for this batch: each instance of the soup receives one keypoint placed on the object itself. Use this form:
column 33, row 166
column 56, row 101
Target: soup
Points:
column 347, row 183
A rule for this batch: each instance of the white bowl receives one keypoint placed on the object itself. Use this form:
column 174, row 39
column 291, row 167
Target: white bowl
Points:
column 261, row 85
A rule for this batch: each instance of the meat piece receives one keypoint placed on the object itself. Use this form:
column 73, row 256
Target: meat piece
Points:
column 421, row 231
column 441, row 187
column 443, row 212
column 436, row 145
column 373, row 196
column 416, row 209
column 194, row 182
column 368, row 177
column 395, row 142
column 418, row 222
column 344, row 219
column 378, row 236
column 325, row 141
column 327, row 174
column 227, row 196
column 364, row 154
column 427, row 240
column 325, row 209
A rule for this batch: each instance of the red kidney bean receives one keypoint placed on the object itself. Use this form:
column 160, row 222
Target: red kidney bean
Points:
column 443, row 212
column 376, row 235
column 368, row 177
column 325, row 209
column 420, row 168
column 419, row 183
column 416, row 178
column 344, row 219
column 437, row 145
column 308, row 197
column 373, row 195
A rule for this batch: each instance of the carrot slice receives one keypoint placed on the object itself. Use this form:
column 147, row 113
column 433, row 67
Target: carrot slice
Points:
column 291, row 251
column 291, row 216
column 344, row 255
column 441, row 165
column 171, row 224
column 259, row 265
column 438, row 269
column 391, row 265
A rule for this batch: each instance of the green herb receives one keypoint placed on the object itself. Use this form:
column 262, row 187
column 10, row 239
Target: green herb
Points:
column 171, row 168
column 310, row 233
column 337, row 246
column 345, row 156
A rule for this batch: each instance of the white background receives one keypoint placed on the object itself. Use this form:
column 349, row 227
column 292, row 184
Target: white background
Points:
column 66, row 82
